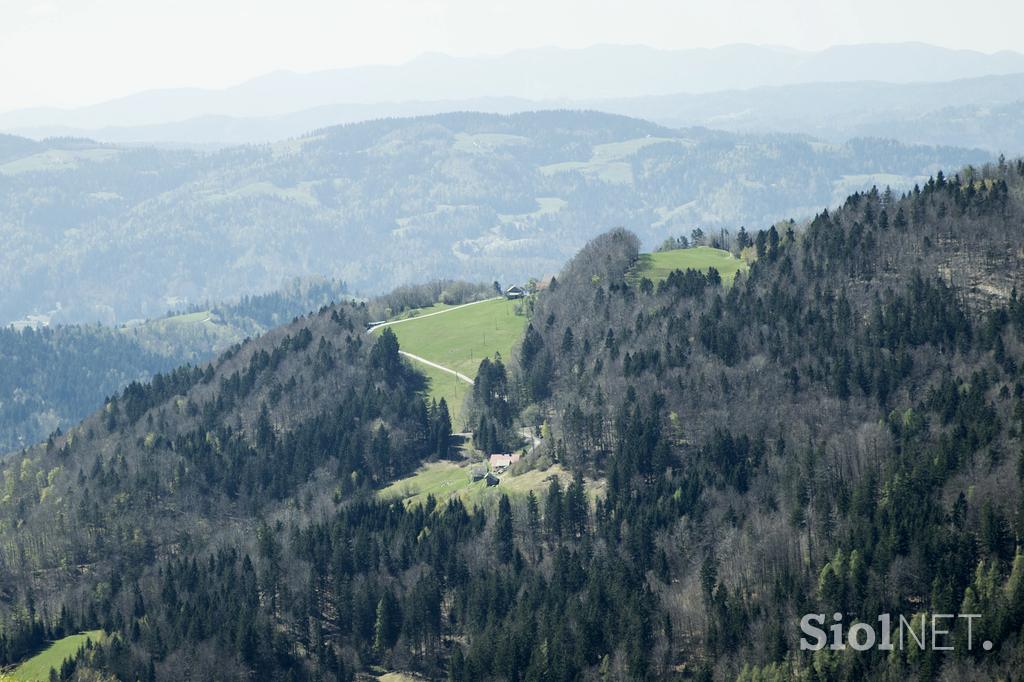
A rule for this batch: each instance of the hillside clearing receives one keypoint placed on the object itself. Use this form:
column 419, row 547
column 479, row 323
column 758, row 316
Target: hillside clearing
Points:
column 609, row 162
column 57, row 160
column 657, row 266
column 449, row 387
column 37, row 668
column 545, row 206
column 459, row 339
column 447, row 480
column 163, row 335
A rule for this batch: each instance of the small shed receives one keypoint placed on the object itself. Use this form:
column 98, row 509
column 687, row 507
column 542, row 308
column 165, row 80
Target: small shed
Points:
column 478, row 473
column 514, row 292
column 492, row 480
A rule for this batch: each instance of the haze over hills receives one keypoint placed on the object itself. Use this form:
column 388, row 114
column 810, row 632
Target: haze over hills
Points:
column 974, row 112
column 99, row 232
column 217, row 130
column 550, row 75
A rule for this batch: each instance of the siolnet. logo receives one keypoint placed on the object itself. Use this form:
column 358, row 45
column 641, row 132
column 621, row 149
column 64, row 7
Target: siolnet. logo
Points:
column 924, row 631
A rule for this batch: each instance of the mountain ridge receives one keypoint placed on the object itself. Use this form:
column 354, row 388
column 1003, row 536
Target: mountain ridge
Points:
column 834, row 110
column 542, row 73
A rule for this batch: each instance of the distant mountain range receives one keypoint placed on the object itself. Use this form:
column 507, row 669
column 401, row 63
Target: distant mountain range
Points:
column 837, row 93
column 971, row 112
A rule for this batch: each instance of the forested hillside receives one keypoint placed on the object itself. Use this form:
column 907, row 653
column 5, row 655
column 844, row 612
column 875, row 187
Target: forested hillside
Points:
column 837, row 430
column 203, row 461
column 96, row 232
column 52, row 377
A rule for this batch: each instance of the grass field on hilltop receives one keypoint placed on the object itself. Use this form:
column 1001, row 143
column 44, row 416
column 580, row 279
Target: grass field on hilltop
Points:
column 459, row 340
column 37, row 668
column 657, row 266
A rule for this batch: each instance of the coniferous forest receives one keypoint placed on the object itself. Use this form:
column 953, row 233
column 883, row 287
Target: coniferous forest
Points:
column 839, row 430
column 53, row 376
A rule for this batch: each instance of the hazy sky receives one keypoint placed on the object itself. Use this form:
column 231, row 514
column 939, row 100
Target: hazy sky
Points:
column 75, row 52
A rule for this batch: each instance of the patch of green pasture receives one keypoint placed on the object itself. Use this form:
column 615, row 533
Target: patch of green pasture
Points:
column 657, row 266
column 440, row 479
column 399, row 677
column 301, row 193
column 612, row 172
column 37, row 668
column 446, row 480
column 461, row 338
column 447, row 386
column 564, row 167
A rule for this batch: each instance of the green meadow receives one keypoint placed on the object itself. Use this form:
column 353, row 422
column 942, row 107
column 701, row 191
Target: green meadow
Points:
column 459, row 339
column 37, row 668
column 657, row 266
column 446, row 480
column 449, row 387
